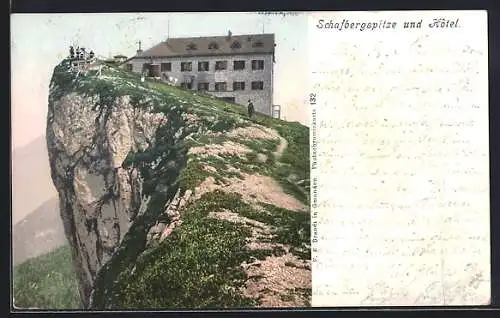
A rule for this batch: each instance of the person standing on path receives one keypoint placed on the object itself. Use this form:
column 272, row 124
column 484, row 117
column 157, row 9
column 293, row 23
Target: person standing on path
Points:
column 250, row 108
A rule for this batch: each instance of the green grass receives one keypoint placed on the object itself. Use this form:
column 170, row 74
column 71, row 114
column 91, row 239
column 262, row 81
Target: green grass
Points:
column 197, row 266
column 47, row 282
column 293, row 228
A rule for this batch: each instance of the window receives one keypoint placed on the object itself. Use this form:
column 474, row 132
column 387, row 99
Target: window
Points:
column 258, row 44
column 202, row 66
column 239, row 65
column 166, row 67
column 257, row 64
column 258, row 85
column 191, row 46
column 236, row 45
column 129, row 67
column 238, row 86
column 213, row 46
column 220, row 86
column 220, row 65
column 186, row 66
column 203, row 86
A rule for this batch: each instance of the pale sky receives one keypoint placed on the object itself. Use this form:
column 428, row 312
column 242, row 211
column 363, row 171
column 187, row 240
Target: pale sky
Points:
column 40, row 41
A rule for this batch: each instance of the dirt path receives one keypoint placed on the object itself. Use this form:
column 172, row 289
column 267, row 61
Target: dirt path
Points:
column 282, row 279
column 260, row 132
column 278, row 280
column 281, row 147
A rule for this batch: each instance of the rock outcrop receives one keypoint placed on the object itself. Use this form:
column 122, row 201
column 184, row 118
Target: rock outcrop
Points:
column 135, row 165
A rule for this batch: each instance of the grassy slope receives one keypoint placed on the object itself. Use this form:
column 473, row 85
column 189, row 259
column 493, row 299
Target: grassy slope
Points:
column 198, row 265
column 46, row 281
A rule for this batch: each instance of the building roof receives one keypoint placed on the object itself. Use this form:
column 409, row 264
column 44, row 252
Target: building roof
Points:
column 216, row 45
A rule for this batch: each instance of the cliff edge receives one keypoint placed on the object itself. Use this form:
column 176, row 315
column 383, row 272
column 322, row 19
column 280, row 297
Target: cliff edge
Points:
column 176, row 199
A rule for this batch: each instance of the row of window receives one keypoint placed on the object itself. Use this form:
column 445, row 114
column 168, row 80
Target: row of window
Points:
column 215, row 46
column 222, row 86
column 218, row 66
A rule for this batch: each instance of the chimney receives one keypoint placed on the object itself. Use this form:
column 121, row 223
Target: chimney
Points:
column 168, row 31
column 139, row 50
column 228, row 35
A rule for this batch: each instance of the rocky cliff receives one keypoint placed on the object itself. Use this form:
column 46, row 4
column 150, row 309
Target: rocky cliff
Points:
column 171, row 198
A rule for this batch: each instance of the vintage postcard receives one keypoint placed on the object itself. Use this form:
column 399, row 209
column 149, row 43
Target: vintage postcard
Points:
column 162, row 163
column 166, row 162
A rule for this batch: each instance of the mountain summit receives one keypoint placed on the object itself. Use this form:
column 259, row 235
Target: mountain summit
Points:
column 175, row 199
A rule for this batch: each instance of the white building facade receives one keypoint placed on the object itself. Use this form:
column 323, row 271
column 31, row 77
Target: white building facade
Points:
column 234, row 68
